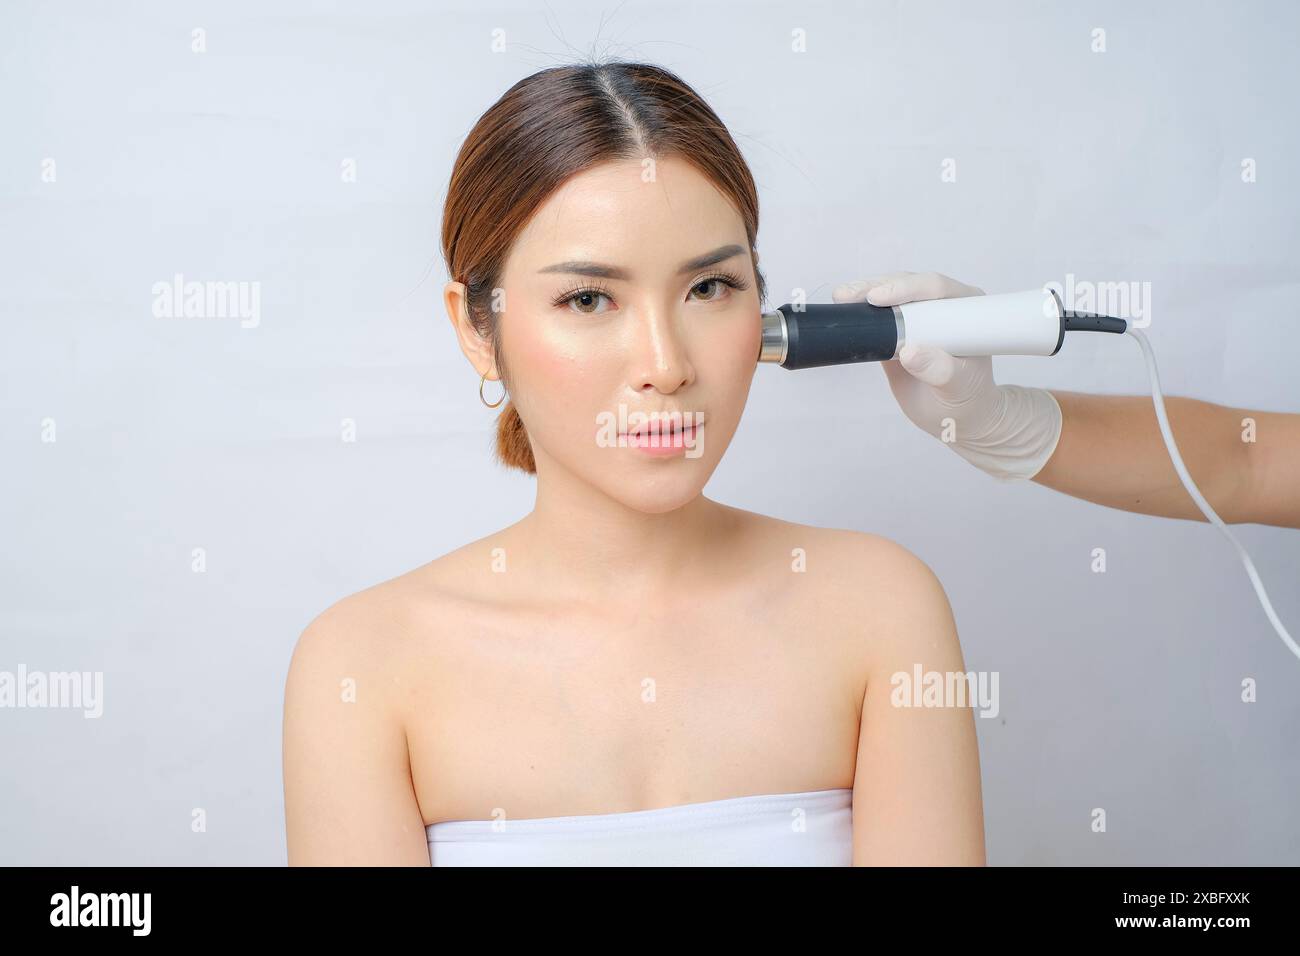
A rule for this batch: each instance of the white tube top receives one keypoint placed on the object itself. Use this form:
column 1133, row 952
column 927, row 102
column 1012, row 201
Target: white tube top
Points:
column 810, row 828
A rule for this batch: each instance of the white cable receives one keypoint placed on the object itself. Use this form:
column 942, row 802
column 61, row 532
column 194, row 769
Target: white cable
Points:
column 1158, row 398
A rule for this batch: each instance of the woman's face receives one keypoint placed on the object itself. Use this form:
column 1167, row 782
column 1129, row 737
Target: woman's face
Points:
column 632, row 291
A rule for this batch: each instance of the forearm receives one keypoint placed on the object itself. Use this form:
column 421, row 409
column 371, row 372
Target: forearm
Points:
column 1111, row 452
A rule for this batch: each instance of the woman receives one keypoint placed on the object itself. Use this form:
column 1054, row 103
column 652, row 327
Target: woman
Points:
column 632, row 673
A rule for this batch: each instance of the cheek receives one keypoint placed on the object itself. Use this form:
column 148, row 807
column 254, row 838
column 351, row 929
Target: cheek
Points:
column 732, row 353
column 556, row 370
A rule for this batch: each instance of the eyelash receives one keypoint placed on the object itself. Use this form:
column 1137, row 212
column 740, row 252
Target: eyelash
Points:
column 729, row 279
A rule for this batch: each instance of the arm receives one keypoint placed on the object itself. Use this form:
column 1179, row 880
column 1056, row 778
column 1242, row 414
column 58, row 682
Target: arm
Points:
column 916, row 787
column 1109, row 449
column 348, row 797
column 1110, row 452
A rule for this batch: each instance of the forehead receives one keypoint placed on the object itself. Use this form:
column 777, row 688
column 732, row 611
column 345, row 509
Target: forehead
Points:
column 612, row 214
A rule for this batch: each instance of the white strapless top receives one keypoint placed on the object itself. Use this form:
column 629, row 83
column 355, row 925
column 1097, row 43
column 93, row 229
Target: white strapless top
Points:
column 812, row 828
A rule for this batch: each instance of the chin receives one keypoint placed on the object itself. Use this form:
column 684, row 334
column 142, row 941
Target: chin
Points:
column 659, row 487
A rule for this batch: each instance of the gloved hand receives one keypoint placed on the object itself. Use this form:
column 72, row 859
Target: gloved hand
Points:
column 1008, row 431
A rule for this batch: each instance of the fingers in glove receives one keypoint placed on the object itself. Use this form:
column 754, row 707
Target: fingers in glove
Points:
column 857, row 291
column 928, row 364
column 918, row 287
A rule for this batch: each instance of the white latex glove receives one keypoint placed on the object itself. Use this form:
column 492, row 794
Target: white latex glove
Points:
column 1008, row 431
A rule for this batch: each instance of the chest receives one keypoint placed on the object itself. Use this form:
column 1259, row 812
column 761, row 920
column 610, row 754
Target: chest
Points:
column 542, row 715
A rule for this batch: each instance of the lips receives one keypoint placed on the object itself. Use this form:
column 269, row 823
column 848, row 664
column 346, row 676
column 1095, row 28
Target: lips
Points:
column 666, row 423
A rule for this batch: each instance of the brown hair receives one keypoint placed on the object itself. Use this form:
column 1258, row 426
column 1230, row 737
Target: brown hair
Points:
column 545, row 129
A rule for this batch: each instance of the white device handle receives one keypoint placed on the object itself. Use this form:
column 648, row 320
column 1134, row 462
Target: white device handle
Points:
column 1012, row 323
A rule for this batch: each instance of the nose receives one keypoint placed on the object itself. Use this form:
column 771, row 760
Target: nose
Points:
column 661, row 356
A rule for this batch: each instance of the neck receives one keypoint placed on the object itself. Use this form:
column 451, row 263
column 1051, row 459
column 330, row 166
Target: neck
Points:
column 581, row 545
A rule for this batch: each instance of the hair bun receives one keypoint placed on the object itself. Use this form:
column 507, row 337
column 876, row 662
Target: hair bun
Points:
column 514, row 450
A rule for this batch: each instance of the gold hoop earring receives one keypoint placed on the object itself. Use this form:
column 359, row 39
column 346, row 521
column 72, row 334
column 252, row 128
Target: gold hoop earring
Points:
column 481, row 382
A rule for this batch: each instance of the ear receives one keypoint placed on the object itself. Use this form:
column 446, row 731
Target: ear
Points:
column 476, row 348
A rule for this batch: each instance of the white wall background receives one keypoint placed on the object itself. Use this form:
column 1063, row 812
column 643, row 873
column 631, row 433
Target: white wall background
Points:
column 1118, row 690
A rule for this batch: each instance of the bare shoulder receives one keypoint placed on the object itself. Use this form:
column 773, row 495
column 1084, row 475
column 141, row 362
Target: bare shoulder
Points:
column 348, row 792
column 903, row 606
column 359, row 629
column 376, row 629
column 916, row 782
column 888, row 599
column 873, row 563
column 355, row 670
column 899, row 588
column 394, row 634
column 344, row 656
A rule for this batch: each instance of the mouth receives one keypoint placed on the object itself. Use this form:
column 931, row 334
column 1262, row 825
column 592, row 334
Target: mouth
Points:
column 666, row 425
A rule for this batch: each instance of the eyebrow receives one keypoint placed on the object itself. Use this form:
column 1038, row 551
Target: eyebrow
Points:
column 599, row 270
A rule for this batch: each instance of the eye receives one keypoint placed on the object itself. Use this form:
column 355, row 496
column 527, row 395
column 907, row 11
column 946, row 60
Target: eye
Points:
column 586, row 301
column 717, row 286
column 583, row 300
